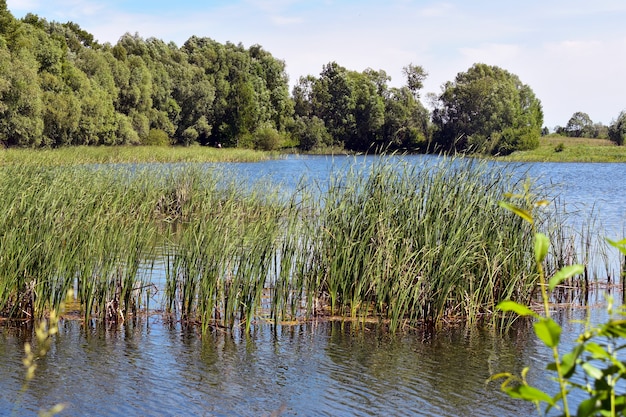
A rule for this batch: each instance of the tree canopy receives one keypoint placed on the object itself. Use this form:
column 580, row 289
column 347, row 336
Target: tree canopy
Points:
column 358, row 110
column 579, row 125
column 59, row 86
column 617, row 129
column 487, row 110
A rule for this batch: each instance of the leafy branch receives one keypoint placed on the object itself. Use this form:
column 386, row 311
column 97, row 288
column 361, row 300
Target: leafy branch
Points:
column 595, row 356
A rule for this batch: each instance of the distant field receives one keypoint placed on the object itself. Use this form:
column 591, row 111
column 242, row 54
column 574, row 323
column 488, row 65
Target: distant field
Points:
column 572, row 150
column 78, row 155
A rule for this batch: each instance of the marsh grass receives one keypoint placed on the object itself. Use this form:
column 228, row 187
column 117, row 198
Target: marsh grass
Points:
column 422, row 245
column 79, row 155
column 399, row 244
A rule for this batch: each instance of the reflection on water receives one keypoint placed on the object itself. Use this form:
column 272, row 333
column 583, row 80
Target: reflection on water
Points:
column 150, row 368
column 154, row 369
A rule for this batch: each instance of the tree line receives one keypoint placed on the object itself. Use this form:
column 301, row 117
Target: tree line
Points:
column 59, row 86
column 580, row 125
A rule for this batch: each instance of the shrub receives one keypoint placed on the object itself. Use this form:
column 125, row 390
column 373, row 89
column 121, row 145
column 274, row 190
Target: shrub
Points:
column 267, row 138
column 157, row 137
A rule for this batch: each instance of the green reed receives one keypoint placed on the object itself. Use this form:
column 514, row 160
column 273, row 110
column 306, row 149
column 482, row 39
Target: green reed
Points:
column 402, row 244
column 421, row 244
column 66, row 228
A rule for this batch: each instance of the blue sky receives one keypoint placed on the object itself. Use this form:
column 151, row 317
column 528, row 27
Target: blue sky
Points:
column 572, row 53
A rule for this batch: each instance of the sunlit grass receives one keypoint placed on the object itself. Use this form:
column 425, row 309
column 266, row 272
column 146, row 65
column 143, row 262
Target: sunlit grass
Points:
column 78, row 155
column 572, row 150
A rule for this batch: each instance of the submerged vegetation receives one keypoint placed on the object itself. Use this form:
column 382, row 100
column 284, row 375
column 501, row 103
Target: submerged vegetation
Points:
column 403, row 245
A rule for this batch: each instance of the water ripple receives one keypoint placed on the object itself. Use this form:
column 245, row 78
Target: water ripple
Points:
column 304, row 370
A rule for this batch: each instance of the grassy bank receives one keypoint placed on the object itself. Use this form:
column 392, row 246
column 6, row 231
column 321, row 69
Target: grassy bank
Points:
column 555, row 148
column 391, row 242
column 78, row 155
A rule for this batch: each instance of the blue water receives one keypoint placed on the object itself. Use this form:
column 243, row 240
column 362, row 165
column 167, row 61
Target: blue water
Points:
column 149, row 367
column 585, row 187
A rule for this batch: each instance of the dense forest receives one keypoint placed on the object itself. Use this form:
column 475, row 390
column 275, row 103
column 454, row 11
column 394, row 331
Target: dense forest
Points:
column 59, row 86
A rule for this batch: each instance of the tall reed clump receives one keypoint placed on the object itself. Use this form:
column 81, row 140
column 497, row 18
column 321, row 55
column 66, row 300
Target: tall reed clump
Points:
column 66, row 228
column 422, row 244
column 223, row 257
column 405, row 244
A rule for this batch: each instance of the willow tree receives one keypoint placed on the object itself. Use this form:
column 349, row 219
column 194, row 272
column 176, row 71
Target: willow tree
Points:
column 487, row 110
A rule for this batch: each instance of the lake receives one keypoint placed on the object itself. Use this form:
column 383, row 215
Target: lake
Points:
column 149, row 367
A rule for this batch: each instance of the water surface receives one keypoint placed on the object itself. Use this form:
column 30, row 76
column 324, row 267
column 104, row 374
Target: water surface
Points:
column 152, row 368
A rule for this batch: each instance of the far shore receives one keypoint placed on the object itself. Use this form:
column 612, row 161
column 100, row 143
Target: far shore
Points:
column 552, row 148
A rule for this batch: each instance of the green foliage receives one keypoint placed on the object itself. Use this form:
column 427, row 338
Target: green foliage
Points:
column 596, row 359
column 157, row 137
column 560, row 147
column 415, row 75
column 311, row 132
column 580, row 125
column 360, row 112
column 617, row 129
column 59, row 87
column 267, row 138
column 21, row 122
column 487, row 110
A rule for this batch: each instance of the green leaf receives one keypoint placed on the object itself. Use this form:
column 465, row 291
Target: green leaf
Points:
column 548, row 331
column 565, row 273
column 524, row 214
column 586, row 407
column 597, row 351
column 542, row 244
column 592, row 371
column 518, row 308
column 568, row 361
column 621, row 245
column 614, row 328
column 528, row 393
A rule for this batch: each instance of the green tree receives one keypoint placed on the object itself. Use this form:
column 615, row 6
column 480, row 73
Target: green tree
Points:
column 274, row 83
column 11, row 29
column 580, row 125
column 61, row 111
column 617, row 129
column 488, row 110
column 98, row 121
column 21, row 122
column 406, row 121
column 303, row 96
column 311, row 133
column 333, row 102
column 368, row 113
column 415, row 76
